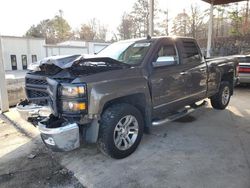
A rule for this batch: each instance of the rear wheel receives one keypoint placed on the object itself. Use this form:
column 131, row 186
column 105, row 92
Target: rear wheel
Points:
column 121, row 130
column 221, row 99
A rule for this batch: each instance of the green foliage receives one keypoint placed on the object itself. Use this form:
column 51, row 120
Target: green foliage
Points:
column 61, row 28
column 53, row 30
column 236, row 22
column 58, row 29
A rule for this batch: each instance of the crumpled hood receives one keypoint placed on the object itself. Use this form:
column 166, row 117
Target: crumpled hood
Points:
column 65, row 62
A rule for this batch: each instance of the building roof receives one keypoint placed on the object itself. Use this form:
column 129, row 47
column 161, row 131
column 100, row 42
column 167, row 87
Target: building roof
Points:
column 19, row 37
column 221, row 2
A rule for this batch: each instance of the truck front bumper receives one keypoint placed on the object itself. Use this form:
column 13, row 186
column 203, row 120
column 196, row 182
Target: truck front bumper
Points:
column 59, row 135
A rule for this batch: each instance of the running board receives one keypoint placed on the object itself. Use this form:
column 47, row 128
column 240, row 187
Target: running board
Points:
column 186, row 111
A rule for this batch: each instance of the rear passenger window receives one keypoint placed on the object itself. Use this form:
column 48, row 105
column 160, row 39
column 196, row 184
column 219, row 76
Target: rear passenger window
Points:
column 191, row 53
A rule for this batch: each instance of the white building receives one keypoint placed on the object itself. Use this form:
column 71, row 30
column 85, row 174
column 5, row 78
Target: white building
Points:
column 18, row 52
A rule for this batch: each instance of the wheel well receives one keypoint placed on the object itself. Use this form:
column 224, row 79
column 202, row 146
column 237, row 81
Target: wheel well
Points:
column 138, row 101
column 229, row 77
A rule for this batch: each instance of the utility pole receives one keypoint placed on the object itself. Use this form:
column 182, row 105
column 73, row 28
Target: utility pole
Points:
column 246, row 18
column 151, row 17
column 167, row 21
column 210, row 29
column 61, row 24
column 3, row 88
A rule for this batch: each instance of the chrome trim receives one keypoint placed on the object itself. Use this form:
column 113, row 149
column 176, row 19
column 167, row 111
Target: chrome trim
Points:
column 51, row 131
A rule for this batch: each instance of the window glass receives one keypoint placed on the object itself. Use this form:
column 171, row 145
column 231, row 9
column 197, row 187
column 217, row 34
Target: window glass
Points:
column 126, row 52
column 13, row 62
column 166, row 55
column 24, row 62
column 34, row 58
column 191, row 53
column 247, row 59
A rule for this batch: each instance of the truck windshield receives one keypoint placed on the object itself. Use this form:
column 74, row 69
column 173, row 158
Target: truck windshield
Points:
column 126, row 52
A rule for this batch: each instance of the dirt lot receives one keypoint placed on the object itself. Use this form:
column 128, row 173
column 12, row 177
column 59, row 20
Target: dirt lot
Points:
column 209, row 148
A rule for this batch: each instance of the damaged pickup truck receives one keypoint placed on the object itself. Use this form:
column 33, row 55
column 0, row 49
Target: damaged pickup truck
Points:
column 112, row 98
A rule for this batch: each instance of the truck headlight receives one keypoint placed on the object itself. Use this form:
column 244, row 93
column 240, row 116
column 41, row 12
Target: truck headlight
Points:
column 70, row 90
column 34, row 66
column 73, row 106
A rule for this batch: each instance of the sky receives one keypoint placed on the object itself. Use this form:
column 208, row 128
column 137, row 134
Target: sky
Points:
column 16, row 16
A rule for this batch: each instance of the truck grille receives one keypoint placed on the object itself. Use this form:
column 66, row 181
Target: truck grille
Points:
column 36, row 94
column 36, row 81
column 36, row 87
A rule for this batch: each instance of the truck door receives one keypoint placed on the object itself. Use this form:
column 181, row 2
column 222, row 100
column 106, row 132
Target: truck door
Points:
column 195, row 67
column 168, row 83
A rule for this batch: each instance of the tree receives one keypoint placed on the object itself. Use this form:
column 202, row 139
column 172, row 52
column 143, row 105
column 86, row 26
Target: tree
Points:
column 102, row 32
column 44, row 29
column 136, row 23
column 140, row 16
column 164, row 23
column 61, row 27
column 53, row 30
column 181, row 24
column 196, row 20
column 236, row 21
column 125, row 29
column 93, row 30
column 87, row 32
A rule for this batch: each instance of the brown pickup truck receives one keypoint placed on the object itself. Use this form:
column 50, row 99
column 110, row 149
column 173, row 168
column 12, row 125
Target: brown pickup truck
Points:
column 112, row 98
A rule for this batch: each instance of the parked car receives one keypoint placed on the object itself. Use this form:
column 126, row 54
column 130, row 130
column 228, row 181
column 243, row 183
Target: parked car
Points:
column 113, row 97
column 244, row 69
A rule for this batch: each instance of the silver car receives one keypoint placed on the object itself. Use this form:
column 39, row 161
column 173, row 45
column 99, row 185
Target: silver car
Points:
column 244, row 69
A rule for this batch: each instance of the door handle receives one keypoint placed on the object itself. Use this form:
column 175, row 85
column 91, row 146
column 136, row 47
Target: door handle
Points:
column 203, row 70
column 183, row 73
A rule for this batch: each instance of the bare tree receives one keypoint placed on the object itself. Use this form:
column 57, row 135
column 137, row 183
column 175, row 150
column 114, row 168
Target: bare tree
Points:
column 181, row 24
column 125, row 29
column 196, row 20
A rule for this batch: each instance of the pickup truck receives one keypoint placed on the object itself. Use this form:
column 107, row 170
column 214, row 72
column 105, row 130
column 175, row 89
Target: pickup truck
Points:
column 112, row 98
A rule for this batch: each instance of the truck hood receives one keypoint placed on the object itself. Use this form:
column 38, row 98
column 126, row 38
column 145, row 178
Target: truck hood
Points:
column 75, row 65
column 65, row 62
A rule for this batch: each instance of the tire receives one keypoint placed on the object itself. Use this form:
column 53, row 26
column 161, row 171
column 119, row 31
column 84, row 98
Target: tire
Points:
column 221, row 99
column 113, row 134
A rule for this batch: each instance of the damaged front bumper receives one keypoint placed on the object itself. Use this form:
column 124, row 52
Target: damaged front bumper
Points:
column 28, row 110
column 57, row 134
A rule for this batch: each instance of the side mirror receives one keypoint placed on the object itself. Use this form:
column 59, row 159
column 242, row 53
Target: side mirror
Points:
column 165, row 61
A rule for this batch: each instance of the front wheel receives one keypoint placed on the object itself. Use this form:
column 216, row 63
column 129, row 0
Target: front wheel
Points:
column 121, row 130
column 221, row 99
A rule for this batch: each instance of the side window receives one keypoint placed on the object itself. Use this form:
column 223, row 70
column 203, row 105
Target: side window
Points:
column 166, row 55
column 13, row 62
column 34, row 58
column 191, row 52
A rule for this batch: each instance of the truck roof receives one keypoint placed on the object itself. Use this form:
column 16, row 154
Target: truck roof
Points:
column 155, row 38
